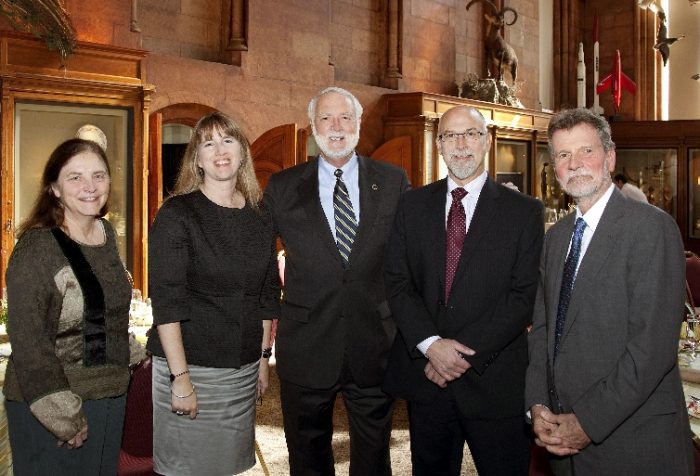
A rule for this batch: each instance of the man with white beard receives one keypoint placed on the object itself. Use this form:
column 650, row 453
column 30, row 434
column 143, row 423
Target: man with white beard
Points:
column 333, row 215
column 461, row 276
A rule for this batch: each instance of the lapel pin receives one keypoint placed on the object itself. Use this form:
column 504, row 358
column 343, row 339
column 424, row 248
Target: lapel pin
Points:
column 375, row 187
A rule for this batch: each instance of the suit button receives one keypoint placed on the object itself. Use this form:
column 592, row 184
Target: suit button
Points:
column 441, row 303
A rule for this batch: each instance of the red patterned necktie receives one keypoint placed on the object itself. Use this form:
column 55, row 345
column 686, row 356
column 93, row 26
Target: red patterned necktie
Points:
column 456, row 231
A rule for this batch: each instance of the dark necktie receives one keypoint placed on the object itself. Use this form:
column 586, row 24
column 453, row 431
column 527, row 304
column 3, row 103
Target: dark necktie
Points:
column 567, row 282
column 345, row 222
column 456, row 231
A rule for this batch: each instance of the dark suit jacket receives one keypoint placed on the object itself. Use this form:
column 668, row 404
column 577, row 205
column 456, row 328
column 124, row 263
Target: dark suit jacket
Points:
column 617, row 365
column 490, row 304
column 330, row 313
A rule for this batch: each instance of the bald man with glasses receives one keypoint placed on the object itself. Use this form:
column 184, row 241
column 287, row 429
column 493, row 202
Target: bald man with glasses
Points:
column 461, row 277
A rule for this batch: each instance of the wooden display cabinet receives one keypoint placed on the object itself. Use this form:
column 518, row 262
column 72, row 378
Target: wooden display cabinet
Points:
column 515, row 132
column 43, row 104
column 663, row 158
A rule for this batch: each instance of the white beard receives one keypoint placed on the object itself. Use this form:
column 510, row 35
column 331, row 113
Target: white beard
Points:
column 323, row 143
column 586, row 188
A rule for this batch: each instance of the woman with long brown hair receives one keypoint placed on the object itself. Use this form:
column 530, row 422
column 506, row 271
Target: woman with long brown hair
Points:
column 68, row 299
column 214, row 288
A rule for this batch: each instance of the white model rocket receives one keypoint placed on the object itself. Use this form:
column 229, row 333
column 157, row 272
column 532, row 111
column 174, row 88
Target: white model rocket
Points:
column 596, row 68
column 580, row 79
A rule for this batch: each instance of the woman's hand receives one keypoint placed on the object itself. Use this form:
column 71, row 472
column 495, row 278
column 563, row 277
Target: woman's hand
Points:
column 78, row 440
column 183, row 387
column 263, row 378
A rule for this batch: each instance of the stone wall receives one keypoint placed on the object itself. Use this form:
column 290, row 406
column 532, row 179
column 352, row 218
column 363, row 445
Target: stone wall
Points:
column 297, row 47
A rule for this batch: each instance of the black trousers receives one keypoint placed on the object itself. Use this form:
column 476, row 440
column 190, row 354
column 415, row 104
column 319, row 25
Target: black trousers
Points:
column 308, row 428
column 500, row 447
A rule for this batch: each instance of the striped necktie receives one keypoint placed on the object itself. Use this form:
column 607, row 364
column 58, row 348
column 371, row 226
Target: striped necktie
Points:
column 567, row 282
column 345, row 222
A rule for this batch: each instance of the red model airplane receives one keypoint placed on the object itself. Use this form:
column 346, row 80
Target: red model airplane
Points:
column 617, row 80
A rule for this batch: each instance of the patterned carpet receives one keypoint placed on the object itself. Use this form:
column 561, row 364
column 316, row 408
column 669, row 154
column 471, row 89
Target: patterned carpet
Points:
column 270, row 439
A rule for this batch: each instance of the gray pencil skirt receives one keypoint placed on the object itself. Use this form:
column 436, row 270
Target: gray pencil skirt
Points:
column 221, row 440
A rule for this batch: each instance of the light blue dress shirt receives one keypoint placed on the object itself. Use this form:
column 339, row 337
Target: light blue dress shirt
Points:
column 326, row 185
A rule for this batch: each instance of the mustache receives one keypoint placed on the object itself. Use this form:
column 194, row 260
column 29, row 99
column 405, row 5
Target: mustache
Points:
column 579, row 173
column 461, row 153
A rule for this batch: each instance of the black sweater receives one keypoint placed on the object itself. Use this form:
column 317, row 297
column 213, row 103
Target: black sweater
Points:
column 214, row 270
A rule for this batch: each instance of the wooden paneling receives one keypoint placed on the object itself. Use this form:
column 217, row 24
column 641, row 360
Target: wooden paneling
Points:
column 95, row 75
column 397, row 151
column 273, row 151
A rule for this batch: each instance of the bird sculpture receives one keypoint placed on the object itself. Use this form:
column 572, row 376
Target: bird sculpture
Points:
column 663, row 42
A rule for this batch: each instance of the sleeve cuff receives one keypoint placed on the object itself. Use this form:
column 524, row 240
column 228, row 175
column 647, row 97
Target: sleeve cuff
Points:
column 61, row 413
column 424, row 344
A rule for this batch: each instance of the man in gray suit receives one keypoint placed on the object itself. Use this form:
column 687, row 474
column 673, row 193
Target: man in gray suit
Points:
column 603, row 387
column 333, row 215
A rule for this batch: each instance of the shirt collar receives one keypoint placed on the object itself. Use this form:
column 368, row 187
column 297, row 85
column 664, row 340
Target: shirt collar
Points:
column 593, row 215
column 349, row 168
column 473, row 188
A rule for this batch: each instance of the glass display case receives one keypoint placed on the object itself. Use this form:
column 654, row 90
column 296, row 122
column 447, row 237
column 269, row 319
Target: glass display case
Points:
column 514, row 133
column 694, row 192
column 40, row 127
column 663, row 159
column 655, row 172
column 513, row 163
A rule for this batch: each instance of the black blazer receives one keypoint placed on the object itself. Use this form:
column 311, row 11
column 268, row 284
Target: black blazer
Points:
column 490, row 304
column 330, row 313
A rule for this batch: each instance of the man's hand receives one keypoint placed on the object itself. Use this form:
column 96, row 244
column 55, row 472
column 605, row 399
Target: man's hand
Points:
column 433, row 376
column 569, row 431
column 543, row 425
column 445, row 355
column 561, row 435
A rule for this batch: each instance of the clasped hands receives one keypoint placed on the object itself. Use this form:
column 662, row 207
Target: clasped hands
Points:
column 77, row 440
column 446, row 361
column 561, row 435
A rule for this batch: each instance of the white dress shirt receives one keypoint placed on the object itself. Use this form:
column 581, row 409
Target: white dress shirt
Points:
column 592, row 218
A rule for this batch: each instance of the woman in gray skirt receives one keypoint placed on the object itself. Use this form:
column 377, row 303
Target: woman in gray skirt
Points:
column 68, row 298
column 214, row 289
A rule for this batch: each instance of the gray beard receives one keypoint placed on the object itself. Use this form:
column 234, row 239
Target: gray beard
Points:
column 331, row 154
column 462, row 169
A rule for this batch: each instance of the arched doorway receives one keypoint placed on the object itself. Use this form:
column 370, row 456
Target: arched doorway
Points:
column 168, row 129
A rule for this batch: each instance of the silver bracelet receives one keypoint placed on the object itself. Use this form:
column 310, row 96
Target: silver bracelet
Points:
column 183, row 396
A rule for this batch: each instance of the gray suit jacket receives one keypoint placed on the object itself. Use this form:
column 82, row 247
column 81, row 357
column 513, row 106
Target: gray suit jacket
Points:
column 617, row 368
column 330, row 314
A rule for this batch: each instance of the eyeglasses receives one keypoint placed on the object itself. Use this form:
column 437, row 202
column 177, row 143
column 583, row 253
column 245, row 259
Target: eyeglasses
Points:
column 469, row 134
